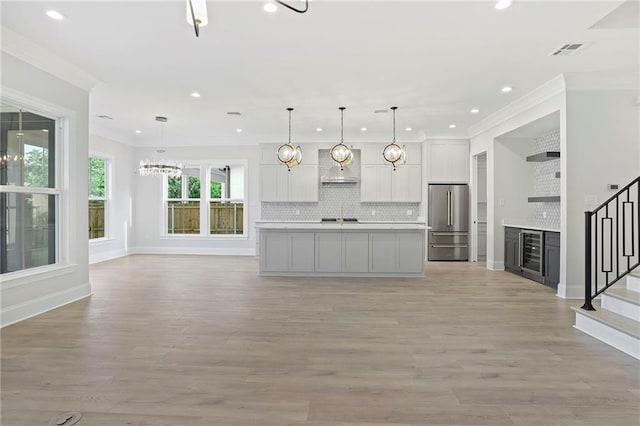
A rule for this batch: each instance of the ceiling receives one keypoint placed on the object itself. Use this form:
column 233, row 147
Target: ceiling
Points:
column 434, row 60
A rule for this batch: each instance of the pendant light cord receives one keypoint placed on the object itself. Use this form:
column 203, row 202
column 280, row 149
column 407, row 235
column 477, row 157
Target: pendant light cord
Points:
column 290, row 109
column 342, row 125
column 394, row 123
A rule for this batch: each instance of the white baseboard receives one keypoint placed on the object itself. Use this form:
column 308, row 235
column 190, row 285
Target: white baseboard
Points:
column 495, row 265
column 210, row 251
column 31, row 308
column 565, row 292
column 108, row 255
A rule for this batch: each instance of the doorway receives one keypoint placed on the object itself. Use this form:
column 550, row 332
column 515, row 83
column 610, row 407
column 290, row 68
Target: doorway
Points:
column 480, row 210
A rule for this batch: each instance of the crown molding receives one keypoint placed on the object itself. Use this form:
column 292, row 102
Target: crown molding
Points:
column 548, row 90
column 26, row 50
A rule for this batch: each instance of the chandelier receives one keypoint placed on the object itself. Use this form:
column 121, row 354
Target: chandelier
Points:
column 341, row 153
column 393, row 153
column 7, row 159
column 159, row 168
column 289, row 155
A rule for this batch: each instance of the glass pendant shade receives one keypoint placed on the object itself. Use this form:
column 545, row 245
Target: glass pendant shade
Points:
column 341, row 153
column 289, row 155
column 160, row 167
column 394, row 153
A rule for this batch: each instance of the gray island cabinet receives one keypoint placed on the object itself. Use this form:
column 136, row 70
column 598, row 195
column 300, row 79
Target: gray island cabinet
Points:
column 348, row 250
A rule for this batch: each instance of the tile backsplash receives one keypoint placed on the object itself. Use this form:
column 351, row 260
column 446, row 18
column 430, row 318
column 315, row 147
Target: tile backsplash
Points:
column 334, row 195
column 545, row 181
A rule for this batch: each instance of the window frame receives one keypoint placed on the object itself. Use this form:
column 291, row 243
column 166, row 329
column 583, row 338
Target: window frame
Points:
column 205, row 199
column 108, row 164
column 184, row 191
column 63, row 120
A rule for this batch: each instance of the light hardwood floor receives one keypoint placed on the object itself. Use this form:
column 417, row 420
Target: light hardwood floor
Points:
column 201, row 340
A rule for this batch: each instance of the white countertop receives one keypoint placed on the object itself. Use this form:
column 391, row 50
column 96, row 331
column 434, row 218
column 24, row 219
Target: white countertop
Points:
column 336, row 226
column 529, row 226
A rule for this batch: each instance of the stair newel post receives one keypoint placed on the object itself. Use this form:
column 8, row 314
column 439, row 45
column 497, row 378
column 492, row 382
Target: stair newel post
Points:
column 587, row 262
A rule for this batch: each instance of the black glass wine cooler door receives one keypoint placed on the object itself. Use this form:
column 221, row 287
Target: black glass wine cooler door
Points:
column 531, row 251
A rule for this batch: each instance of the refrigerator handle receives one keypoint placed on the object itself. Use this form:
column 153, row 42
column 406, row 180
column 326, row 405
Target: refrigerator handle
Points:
column 449, row 208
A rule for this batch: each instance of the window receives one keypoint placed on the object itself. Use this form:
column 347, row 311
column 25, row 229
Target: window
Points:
column 220, row 209
column 98, row 169
column 29, row 192
column 226, row 202
column 183, row 202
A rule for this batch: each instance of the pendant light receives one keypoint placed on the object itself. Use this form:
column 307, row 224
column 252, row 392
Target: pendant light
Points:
column 159, row 168
column 341, row 153
column 289, row 155
column 393, row 153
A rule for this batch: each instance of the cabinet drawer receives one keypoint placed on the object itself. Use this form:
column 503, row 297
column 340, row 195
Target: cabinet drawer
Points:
column 512, row 233
column 448, row 238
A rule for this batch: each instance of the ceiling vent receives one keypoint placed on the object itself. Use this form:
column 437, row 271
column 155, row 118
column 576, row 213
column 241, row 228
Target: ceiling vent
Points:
column 233, row 113
column 569, row 49
column 105, row 117
column 380, row 111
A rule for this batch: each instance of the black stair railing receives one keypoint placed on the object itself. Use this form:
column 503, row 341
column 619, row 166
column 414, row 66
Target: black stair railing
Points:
column 612, row 241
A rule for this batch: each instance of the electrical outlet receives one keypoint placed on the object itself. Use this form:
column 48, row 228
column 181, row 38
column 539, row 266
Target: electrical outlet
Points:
column 409, row 212
column 501, row 202
column 373, row 212
column 298, row 212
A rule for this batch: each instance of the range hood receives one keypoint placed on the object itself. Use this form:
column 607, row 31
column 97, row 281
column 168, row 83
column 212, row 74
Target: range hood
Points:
column 335, row 175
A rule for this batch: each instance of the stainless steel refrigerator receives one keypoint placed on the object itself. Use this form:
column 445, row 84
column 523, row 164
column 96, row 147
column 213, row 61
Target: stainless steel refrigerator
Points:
column 449, row 222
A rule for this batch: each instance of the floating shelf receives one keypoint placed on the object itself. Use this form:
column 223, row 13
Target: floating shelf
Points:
column 545, row 199
column 544, row 156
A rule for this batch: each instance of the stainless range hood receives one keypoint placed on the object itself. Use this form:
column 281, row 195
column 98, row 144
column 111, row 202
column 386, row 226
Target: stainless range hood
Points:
column 335, row 175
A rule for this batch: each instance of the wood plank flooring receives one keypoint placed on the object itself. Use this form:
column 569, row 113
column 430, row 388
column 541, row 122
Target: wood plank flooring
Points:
column 201, row 340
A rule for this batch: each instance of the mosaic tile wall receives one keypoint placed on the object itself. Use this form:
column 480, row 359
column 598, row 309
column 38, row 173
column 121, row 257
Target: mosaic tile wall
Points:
column 332, row 196
column 545, row 181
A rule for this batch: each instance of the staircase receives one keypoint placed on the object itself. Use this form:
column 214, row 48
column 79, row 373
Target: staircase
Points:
column 611, row 310
column 616, row 321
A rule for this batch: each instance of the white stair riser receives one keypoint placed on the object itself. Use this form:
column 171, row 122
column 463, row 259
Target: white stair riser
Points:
column 633, row 283
column 620, row 307
column 621, row 341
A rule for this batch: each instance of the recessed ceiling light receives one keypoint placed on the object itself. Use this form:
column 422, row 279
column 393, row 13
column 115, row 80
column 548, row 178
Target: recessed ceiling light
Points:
column 507, row 89
column 408, row 129
column 363, row 129
column 475, row 111
column 452, row 126
column 138, row 131
column 239, row 130
column 45, row 130
column 503, row 4
column 319, row 129
column 54, row 14
column 195, row 94
column 270, row 7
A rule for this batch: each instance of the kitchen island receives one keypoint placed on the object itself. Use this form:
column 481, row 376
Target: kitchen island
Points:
column 315, row 249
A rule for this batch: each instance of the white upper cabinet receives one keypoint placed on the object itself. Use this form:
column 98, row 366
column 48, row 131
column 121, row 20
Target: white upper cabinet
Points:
column 448, row 161
column 381, row 184
column 277, row 184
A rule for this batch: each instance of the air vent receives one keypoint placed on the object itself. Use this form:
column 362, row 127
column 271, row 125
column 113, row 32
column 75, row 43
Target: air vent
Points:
column 233, row 113
column 105, row 117
column 569, row 49
column 380, row 111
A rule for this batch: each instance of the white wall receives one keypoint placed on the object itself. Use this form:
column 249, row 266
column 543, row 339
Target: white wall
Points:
column 148, row 206
column 602, row 146
column 119, row 219
column 28, row 293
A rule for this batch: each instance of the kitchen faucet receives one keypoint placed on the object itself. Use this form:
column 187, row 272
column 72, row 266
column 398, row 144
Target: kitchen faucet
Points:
column 340, row 219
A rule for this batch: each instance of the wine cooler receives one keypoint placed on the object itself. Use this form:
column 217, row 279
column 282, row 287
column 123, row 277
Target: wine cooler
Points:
column 531, row 254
